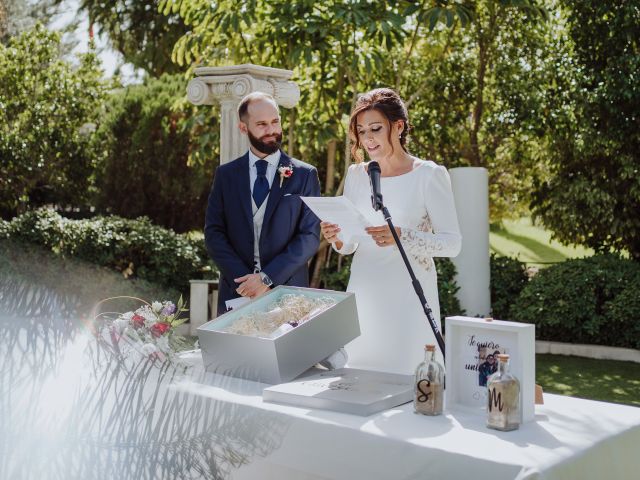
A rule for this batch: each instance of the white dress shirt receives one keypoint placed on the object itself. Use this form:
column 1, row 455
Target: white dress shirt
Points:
column 258, row 213
column 272, row 168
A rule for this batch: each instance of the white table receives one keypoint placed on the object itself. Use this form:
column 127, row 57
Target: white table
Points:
column 570, row 439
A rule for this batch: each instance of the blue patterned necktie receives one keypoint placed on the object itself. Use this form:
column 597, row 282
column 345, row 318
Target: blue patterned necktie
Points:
column 261, row 185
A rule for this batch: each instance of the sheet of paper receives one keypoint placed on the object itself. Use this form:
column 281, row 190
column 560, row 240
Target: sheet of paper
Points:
column 236, row 302
column 341, row 211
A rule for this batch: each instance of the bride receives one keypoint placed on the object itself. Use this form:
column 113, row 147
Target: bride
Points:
column 394, row 328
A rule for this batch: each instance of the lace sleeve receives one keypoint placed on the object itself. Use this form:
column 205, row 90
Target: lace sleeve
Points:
column 438, row 234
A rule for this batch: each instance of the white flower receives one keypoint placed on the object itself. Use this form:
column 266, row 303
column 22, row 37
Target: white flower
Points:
column 163, row 344
column 149, row 349
column 121, row 324
column 127, row 316
column 156, row 307
column 149, row 316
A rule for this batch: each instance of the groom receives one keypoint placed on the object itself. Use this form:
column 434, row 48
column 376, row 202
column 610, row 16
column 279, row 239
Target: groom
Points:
column 257, row 230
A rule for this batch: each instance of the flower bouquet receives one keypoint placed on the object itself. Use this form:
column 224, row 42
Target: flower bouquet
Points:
column 149, row 331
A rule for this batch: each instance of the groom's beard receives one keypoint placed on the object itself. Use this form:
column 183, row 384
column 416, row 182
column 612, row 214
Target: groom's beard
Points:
column 266, row 147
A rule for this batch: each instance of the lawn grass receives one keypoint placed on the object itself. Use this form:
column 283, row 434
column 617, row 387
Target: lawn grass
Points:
column 605, row 380
column 531, row 244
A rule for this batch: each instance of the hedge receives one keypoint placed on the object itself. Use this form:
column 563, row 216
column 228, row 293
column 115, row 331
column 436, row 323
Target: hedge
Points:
column 508, row 278
column 135, row 247
column 592, row 300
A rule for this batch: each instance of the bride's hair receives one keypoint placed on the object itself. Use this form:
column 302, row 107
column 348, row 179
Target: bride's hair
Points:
column 388, row 103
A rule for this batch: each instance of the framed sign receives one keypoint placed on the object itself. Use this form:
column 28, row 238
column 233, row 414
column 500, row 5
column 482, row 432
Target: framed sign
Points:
column 472, row 345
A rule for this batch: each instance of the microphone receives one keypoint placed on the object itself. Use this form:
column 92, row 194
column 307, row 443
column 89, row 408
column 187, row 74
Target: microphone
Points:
column 374, row 179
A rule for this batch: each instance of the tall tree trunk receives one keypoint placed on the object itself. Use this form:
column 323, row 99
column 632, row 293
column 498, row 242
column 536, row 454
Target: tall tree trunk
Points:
column 321, row 256
column 331, row 165
column 486, row 39
column 476, row 117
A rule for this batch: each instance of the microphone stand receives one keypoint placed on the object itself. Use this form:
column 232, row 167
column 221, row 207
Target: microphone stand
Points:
column 416, row 283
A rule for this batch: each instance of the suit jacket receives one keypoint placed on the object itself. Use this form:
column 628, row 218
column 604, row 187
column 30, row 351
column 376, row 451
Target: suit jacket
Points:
column 290, row 231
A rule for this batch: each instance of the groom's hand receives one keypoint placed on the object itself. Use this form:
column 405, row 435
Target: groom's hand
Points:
column 251, row 285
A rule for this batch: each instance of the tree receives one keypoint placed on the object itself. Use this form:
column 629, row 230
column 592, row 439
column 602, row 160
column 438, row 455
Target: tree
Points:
column 337, row 50
column 48, row 110
column 475, row 94
column 157, row 157
column 593, row 195
column 16, row 16
column 144, row 36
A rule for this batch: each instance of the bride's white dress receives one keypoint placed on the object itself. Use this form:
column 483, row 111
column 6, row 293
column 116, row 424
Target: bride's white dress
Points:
column 394, row 328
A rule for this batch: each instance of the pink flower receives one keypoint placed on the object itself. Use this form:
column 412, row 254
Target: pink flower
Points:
column 159, row 329
column 137, row 321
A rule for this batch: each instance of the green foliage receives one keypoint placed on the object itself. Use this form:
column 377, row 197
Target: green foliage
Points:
column 447, row 58
column 476, row 97
column 139, row 31
column 48, row 110
column 593, row 195
column 137, row 248
column 336, row 277
column 16, row 16
column 157, row 155
column 508, row 278
column 4, row 229
column 447, row 288
column 623, row 316
column 584, row 301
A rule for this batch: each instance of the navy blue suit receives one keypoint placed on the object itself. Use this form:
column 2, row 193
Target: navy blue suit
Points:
column 290, row 231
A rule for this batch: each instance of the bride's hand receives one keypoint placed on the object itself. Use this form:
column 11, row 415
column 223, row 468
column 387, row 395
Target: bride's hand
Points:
column 382, row 235
column 330, row 233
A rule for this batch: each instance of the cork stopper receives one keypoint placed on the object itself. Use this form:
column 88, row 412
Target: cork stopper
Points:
column 430, row 348
column 503, row 357
column 488, row 319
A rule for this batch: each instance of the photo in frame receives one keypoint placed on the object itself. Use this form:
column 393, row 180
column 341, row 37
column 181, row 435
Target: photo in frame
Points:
column 472, row 345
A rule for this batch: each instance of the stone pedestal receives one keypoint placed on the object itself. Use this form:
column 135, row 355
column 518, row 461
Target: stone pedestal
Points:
column 228, row 85
column 471, row 194
column 203, row 303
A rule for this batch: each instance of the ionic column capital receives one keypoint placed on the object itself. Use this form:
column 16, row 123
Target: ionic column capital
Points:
column 215, row 84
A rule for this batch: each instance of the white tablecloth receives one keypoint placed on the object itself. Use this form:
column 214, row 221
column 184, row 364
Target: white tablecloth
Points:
column 570, row 439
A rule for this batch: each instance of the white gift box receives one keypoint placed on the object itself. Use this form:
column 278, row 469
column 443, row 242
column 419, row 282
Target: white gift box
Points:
column 280, row 359
column 468, row 341
column 348, row 390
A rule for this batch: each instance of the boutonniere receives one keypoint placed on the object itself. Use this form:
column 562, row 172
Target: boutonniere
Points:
column 285, row 172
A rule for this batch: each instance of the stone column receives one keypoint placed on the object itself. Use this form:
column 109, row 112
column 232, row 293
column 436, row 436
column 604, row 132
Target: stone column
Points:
column 228, row 85
column 471, row 195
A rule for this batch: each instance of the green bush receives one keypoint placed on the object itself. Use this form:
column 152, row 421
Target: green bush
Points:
column 623, row 317
column 159, row 155
column 447, row 289
column 588, row 300
column 336, row 277
column 137, row 248
column 48, row 112
column 4, row 229
column 508, row 278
